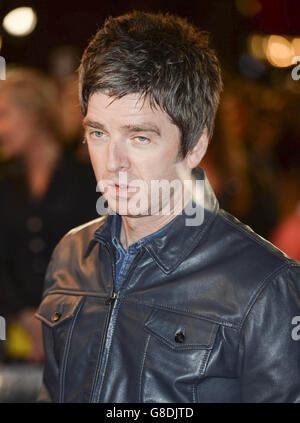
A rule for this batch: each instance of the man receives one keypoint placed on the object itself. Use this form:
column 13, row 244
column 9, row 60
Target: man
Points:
column 153, row 303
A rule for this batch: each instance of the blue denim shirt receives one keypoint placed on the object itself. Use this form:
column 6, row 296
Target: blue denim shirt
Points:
column 124, row 258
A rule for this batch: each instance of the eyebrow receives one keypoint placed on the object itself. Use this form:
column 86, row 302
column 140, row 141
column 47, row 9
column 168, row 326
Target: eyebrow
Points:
column 92, row 124
column 142, row 127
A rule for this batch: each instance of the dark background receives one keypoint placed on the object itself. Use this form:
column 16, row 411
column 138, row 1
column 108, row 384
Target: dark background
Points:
column 62, row 23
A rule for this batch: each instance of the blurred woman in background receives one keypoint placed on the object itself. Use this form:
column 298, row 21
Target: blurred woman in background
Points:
column 44, row 193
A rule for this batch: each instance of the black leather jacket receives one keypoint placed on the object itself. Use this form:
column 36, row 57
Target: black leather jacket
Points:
column 206, row 314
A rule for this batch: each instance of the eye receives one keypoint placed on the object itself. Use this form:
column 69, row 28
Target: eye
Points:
column 97, row 134
column 142, row 140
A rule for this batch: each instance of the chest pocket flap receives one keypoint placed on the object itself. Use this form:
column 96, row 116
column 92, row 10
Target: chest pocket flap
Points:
column 181, row 332
column 57, row 308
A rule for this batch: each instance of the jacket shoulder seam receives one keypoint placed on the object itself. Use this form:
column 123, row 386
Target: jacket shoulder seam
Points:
column 262, row 287
column 254, row 237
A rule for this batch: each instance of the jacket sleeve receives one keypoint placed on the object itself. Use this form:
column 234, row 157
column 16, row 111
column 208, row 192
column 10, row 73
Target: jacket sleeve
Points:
column 269, row 350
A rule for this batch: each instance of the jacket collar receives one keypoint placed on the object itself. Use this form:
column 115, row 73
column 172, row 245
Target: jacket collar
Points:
column 180, row 238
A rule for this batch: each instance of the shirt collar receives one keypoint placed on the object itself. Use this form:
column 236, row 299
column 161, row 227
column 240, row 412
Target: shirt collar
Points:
column 133, row 248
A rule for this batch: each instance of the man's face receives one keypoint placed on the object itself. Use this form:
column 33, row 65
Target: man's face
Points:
column 131, row 145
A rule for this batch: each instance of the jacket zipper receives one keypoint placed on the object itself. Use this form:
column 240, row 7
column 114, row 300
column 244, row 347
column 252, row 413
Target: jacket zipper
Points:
column 109, row 301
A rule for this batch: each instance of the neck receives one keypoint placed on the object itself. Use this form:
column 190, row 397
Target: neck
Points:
column 135, row 228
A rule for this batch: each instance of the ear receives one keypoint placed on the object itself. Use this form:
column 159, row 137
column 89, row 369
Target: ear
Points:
column 194, row 156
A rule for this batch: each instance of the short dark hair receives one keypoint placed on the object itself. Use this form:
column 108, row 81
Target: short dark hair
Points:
column 161, row 57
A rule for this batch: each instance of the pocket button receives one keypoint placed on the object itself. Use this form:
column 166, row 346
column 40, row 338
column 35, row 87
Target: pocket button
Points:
column 56, row 316
column 179, row 337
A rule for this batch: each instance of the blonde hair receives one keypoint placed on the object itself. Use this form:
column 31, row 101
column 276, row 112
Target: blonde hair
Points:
column 35, row 93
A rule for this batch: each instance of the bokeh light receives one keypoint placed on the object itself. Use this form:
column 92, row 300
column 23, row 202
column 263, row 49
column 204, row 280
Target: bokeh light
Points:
column 280, row 51
column 20, row 22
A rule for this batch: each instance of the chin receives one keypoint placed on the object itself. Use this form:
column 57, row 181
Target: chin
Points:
column 130, row 212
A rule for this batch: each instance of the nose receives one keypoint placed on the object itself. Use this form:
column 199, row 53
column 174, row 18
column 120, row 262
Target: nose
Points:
column 117, row 157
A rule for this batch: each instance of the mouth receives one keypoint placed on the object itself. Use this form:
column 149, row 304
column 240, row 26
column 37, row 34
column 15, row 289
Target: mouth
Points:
column 123, row 190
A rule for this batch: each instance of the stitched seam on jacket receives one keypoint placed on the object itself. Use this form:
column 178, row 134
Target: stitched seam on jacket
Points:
column 296, row 265
column 142, row 368
column 204, row 361
column 75, row 293
column 99, row 357
column 187, row 313
column 194, row 388
column 238, row 226
column 167, row 342
column 65, row 355
column 263, row 285
column 113, row 328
